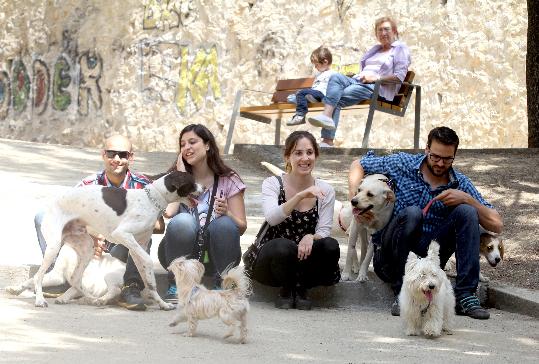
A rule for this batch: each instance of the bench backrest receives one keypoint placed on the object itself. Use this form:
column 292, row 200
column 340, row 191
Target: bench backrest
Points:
column 288, row 87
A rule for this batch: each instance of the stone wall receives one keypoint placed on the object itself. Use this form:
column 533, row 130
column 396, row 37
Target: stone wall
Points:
column 72, row 71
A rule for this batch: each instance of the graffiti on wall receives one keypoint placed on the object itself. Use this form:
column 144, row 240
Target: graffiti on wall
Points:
column 168, row 14
column 43, row 89
column 172, row 73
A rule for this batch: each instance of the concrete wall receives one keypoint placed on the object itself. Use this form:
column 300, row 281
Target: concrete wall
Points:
column 72, row 71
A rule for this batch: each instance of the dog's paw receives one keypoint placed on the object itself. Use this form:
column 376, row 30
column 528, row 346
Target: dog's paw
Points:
column 345, row 277
column 355, row 268
column 60, row 301
column 165, row 306
column 173, row 323
column 412, row 332
column 41, row 303
column 362, row 278
column 483, row 279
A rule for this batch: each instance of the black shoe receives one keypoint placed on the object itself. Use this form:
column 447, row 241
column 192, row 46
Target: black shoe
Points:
column 302, row 301
column 285, row 300
column 395, row 308
column 470, row 306
column 131, row 299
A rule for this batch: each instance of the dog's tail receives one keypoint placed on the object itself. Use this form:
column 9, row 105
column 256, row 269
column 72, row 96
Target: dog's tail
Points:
column 236, row 280
column 273, row 168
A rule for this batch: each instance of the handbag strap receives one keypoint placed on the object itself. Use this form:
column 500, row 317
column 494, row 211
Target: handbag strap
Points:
column 212, row 200
column 264, row 226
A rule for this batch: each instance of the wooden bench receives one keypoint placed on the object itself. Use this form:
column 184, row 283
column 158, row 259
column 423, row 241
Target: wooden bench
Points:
column 280, row 108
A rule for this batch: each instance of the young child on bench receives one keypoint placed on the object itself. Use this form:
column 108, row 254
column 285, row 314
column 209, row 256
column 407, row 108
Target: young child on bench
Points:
column 321, row 59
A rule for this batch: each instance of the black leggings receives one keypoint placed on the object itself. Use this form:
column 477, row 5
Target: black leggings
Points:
column 277, row 264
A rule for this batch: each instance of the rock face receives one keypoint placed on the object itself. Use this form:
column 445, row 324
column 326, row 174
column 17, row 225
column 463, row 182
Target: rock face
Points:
column 74, row 71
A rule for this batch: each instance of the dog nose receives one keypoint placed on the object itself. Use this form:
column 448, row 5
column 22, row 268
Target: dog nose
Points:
column 497, row 260
column 431, row 286
column 354, row 202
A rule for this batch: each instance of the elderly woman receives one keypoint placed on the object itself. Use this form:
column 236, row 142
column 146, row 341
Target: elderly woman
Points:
column 294, row 250
column 387, row 61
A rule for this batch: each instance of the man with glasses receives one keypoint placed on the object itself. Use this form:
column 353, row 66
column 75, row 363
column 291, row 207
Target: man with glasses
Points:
column 117, row 155
column 434, row 201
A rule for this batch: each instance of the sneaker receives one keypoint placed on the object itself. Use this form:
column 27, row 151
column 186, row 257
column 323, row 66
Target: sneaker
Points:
column 311, row 99
column 285, row 300
column 131, row 299
column 322, row 121
column 470, row 306
column 172, row 294
column 325, row 145
column 395, row 308
column 302, row 301
column 296, row 120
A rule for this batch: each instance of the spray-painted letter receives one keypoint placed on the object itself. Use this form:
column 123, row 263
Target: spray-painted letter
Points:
column 5, row 94
column 91, row 66
column 61, row 99
column 41, row 83
column 20, row 82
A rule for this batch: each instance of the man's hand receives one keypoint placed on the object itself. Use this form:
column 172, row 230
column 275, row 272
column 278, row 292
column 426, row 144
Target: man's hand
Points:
column 369, row 78
column 305, row 247
column 99, row 245
column 453, row 197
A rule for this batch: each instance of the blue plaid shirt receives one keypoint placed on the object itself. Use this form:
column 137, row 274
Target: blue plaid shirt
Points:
column 413, row 190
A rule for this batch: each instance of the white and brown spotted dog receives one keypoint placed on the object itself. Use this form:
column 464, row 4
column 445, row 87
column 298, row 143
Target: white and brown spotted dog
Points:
column 374, row 194
column 491, row 247
column 122, row 216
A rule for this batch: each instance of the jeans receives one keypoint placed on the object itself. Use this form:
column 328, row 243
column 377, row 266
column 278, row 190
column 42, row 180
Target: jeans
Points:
column 277, row 264
column 459, row 234
column 181, row 236
column 118, row 251
column 344, row 91
column 301, row 102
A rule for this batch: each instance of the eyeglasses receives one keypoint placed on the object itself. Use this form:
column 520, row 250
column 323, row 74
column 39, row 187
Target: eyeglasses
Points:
column 384, row 29
column 436, row 158
column 113, row 153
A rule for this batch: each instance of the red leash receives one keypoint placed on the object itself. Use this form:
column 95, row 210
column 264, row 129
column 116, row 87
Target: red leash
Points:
column 426, row 208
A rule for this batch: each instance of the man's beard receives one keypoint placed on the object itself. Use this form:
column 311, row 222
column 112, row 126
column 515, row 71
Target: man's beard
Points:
column 445, row 172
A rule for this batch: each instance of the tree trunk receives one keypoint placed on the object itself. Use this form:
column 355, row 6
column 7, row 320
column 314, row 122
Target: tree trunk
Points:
column 532, row 74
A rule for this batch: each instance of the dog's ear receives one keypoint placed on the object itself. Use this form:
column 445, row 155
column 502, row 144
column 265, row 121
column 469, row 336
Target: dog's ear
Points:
column 390, row 196
column 501, row 247
column 410, row 262
column 434, row 252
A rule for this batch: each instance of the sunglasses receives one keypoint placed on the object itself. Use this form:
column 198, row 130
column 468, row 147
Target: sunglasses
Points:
column 113, row 153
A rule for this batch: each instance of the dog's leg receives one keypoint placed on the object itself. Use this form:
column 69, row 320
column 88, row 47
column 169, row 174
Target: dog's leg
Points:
column 84, row 250
column 243, row 328
column 482, row 278
column 433, row 321
column 351, row 252
column 178, row 317
column 367, row 251
column 144, row 264
column 192, row 326
column 50, row 254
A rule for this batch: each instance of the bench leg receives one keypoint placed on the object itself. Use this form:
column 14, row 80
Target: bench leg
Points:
column 365, row 143
column 278, row 131
column 417, row 116
column 232, row 121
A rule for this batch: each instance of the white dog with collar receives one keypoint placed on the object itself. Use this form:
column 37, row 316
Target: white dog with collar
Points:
column 122, row 216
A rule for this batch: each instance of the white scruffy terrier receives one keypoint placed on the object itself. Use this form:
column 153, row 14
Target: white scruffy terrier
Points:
column 427, row 302
column 196, row 302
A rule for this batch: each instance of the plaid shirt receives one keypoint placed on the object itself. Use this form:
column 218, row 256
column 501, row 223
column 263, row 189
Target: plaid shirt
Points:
column 413, row 190
column 132, row 180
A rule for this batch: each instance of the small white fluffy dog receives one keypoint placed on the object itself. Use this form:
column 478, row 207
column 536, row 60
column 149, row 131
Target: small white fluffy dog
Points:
column 427, row 302
column 196, row 302
column 374, row 194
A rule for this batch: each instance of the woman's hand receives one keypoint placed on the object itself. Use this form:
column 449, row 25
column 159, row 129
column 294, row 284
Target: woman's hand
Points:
column 305, row 247
column 369, row 78
column 220, row 206
column 179, row 163
column 365, row 218
column 313, row 191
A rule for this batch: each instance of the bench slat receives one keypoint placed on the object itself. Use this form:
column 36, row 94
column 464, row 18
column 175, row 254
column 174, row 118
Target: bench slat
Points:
column 294, row 84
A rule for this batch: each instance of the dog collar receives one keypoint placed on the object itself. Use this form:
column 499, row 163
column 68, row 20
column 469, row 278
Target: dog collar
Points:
column 193, row 292
column 154, row 201
column 424, row 310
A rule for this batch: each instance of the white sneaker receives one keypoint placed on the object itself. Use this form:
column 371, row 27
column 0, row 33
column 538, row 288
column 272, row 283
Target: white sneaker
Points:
column 322, row 121
column 296, row 120
column 311, row 99
column 325, row 145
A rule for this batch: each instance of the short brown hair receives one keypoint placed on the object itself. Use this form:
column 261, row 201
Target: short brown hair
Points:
column 321, row 54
